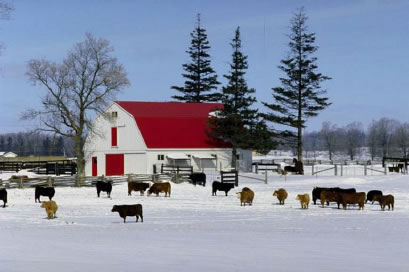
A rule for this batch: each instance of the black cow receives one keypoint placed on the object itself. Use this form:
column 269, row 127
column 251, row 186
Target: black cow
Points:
column 3, row 196
column 104, row 186
column 316, row 192
column 218, row 186
column 371, row 194
column 129, row 210
column 43, row 191
column 345, row 191
column 198, row 178
column 298, row 167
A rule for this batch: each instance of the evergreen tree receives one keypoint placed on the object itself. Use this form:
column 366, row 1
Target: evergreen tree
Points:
column 2, row 145
column 46, row 146
column 200, row 77
column 20, row 145
column 238, row 123
column 9, row 146
column 59, row 147
column 300, row 95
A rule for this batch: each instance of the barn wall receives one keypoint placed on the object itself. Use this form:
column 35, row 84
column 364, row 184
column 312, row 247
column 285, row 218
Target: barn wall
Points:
column 129, row 142
column 136, row 163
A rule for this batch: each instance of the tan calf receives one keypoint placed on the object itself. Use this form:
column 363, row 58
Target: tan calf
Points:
column 304, row 200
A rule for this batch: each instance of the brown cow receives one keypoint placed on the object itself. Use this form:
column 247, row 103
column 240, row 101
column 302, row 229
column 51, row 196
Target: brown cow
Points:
column 157, row 188
column 50, row 208
column 385, row 200
column 246, row 196
column 353, row 198
column 137, row 186
column 328, row 196
column 281, row 195
column 129, row 210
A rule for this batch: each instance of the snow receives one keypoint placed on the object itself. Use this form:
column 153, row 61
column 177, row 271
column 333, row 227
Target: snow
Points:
column 195, row 231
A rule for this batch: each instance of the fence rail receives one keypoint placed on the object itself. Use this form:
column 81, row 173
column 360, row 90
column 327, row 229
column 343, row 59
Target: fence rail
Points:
column 69, row 181
column 57, row 167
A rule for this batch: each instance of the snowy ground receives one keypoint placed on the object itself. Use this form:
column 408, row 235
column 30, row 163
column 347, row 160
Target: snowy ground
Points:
column 193, row 231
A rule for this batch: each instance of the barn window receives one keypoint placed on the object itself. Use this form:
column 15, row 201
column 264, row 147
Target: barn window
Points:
column 114, row 114
column 161, row 157
column 114, row 136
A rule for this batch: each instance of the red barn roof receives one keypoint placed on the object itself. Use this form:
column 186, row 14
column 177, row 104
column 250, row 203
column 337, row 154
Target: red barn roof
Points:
column 173, row 124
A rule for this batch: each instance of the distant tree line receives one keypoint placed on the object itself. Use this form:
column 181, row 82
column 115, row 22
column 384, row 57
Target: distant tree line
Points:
column 36, row 144
column 382, row 138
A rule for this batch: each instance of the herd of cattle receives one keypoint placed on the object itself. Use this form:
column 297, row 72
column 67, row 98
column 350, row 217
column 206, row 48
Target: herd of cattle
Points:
column 325, row 195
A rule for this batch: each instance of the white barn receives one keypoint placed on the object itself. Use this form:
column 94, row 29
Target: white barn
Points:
column 138, row 135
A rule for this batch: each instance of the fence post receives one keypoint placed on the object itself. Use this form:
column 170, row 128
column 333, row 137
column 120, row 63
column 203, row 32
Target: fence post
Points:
column 49, row 181
column 20, row 183
column 265, row 181
column 342, row 170
column 256, row 167
column 336, row 169
column 155, row 178
column 365, row 169
column 312, row 169
column 385, row 169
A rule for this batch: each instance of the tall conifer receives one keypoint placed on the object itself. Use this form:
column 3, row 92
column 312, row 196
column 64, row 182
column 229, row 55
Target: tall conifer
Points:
column 201, row 80
column 238, row 123
column 300, row 95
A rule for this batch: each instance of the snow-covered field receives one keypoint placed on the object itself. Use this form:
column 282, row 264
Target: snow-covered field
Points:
column 195, row 231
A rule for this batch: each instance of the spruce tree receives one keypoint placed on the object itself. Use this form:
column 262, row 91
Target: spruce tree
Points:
column 2, row 145
column 46, row 146
column 201, row 80
column 300, row 95
column 238, row 123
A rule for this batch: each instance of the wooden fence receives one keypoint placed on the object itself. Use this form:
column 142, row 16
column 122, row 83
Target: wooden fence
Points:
column 69, row 181
column 58, row 167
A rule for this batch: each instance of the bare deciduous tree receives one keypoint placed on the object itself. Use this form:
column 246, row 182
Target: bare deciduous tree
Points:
column 328, row 135
column 401, row 139
column 380, row 136
column 5, row 10
column 354, row 138
column 81, row 86
column 311, row 141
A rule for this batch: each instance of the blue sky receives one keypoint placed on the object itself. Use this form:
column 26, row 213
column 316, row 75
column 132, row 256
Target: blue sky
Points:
column 363, row 46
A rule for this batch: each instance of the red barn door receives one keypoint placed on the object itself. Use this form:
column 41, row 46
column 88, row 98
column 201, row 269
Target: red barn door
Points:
column 94, row 166
column 114, row 164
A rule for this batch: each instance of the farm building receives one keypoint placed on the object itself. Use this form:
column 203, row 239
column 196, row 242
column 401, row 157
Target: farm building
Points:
column 7, row 155
column 136, row 137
